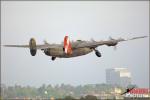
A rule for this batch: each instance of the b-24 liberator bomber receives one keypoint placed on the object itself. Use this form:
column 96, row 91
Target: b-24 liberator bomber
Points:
column 69, row 49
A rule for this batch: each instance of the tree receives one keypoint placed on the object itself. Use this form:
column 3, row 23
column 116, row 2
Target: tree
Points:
column 68, row 98
column 90, row 97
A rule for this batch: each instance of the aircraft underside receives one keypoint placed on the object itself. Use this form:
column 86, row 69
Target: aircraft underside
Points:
column 59, row 52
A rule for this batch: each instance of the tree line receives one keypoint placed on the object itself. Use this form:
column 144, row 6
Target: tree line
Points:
column 57, row 91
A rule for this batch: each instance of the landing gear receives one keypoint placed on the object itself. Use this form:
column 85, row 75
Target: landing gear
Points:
column 53, row 58
column 98, row 54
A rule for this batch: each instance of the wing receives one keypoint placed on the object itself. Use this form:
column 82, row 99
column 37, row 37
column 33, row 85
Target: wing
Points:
column 93, row 44
column 111, row 42
column 44, row 46
column 21, row 46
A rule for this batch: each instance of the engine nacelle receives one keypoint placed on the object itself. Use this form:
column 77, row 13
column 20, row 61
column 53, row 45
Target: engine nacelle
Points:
column 112, row 44
column 32, row 45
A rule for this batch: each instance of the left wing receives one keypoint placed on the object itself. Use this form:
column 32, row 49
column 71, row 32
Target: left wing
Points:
column 33, row 45
column 111, row 42
column 42, row 46
column 21, row 46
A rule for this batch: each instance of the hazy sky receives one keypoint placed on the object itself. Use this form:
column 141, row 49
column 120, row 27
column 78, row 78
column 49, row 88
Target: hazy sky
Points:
column 79, row 20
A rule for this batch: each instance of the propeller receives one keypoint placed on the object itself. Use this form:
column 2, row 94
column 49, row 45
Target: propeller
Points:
column 110, row 38
column 92, row 40
column 114, row 47
column 45, row 42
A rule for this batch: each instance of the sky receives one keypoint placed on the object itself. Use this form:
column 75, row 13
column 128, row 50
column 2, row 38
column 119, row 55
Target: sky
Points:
column 52, row 20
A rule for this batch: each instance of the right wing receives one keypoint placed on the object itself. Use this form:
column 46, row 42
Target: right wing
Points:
column 111, row 42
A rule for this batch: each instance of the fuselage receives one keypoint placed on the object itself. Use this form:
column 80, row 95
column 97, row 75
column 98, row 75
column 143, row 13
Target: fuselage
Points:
column 59, row 52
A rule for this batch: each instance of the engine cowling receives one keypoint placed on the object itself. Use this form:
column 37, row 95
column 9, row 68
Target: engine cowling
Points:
column 112, row 44
column 32, row 45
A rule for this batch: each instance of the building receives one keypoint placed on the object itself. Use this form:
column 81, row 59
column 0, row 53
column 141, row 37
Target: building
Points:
column 118, row 76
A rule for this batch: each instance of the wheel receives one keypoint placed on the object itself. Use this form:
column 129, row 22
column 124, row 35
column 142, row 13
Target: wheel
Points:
column 98, row 54
column 53, row 58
